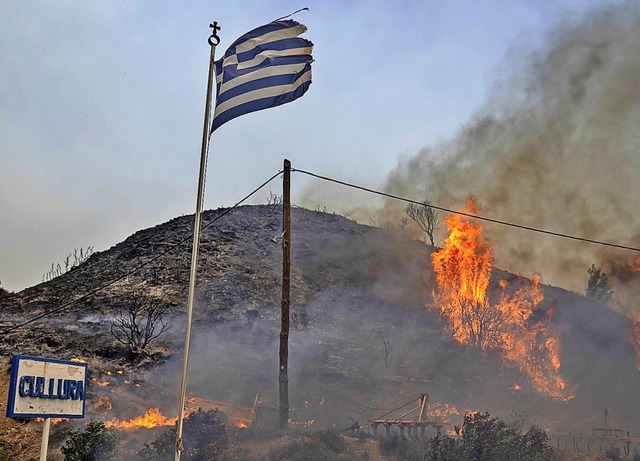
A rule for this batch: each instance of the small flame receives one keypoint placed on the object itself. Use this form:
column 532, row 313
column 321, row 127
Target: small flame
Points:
column 439, row 411
column 54, row 421
column 152, row 418
column 103, row 404
column 241, row 425
column 100, row 383
column 302, row 423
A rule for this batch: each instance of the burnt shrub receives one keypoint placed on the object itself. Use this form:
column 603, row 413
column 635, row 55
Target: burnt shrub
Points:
column 204, row 434
column 330, row 440
column 398, row 447
column 316, row 446
column 302, row 450
column 613, row 453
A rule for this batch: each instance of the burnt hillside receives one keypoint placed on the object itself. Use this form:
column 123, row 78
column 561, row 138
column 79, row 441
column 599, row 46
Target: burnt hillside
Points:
column 362, row 341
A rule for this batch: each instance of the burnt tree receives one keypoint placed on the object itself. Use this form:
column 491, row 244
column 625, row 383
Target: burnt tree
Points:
column 425, row 217
column 140, row 320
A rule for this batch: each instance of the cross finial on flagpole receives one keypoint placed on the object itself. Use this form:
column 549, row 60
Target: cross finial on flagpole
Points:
column 214, row 39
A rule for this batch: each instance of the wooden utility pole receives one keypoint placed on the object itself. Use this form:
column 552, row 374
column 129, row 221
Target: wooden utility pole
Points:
column 286, row 294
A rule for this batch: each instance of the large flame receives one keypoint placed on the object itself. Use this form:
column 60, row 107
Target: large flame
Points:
column 152, row 418
column 463, row 271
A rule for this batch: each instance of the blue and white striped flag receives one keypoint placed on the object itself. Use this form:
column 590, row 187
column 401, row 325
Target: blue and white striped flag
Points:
column 266, row 67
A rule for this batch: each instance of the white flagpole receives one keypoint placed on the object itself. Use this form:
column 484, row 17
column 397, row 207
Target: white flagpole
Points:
column 213, row 41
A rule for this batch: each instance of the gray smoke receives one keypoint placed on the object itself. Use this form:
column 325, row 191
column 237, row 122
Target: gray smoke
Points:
column 554, row 147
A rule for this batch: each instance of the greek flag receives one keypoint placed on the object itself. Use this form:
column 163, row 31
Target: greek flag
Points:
column 266, row 67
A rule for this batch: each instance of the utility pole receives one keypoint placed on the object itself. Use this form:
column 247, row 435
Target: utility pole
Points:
column 286, row 295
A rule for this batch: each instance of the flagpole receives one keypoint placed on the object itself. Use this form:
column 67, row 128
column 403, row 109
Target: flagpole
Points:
column 213, row 41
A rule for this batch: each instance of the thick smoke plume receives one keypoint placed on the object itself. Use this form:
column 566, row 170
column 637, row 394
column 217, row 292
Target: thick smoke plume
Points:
column 554, row 147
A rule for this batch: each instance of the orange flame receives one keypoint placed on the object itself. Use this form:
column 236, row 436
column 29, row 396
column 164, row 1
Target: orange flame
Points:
column 103, row 404
column 54, row 421
column 302, row 423
column 241, row 425
column 463, row 271
column 442, row 411
column 100, row 383
column 152, row 418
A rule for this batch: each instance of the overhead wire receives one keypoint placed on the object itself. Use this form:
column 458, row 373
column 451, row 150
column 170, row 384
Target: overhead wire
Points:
column 469, row 215
column 140, row 266
column 336, row 181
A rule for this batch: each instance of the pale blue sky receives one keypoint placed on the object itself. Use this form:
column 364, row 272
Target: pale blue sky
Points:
column 101, row 106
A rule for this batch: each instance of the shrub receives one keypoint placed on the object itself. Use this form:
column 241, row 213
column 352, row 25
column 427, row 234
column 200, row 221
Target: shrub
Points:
column 302, row 450
column 398, row 447
column 316, row 446
column 612, row 453
column 204, row 434
column 329, row 439
column 485, row 438
column 394, row 446
column 95, row 443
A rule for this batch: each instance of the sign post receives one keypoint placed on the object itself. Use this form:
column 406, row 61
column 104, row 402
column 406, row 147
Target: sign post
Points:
column 46, row 388
column 45, row 439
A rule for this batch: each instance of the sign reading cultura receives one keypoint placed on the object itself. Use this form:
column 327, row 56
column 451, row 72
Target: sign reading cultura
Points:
column 46, row 388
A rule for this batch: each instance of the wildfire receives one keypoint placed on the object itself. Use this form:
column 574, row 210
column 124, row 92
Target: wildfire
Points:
column 463, row 272
column 440, row 411
column 302, row 423
column 100, row 383
column 241, row 425
column 152, row 418
column 103, row 404
column 54, row 421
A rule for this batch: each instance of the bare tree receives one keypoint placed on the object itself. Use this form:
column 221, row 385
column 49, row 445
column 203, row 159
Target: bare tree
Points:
column 79, row 257
column 598, row 287
column 425, row 217
column 384, row 335
column 141, row 320
column 274, row 199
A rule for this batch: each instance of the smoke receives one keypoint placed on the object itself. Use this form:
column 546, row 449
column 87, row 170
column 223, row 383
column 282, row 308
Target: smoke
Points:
column 553, row 147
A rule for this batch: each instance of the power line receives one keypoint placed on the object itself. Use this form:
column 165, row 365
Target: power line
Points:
column 470, row 215
column 336, row 181
column 137, row 268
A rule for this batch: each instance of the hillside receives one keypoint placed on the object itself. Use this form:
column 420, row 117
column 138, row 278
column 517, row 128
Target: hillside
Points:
column 362, row 341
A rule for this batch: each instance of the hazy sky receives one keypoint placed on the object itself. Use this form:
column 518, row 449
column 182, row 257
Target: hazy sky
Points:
column 102, row 102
